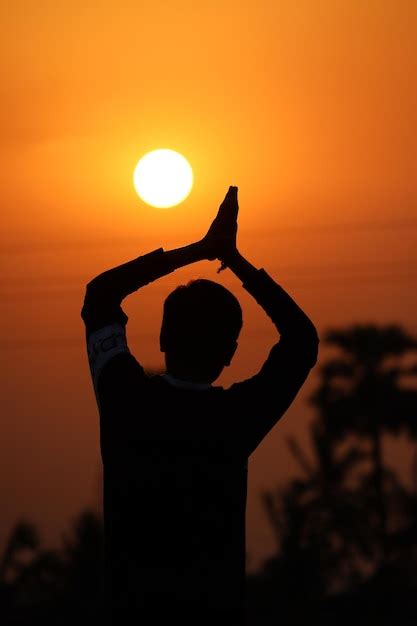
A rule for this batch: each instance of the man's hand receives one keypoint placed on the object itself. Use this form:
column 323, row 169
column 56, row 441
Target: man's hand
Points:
column 220, row 240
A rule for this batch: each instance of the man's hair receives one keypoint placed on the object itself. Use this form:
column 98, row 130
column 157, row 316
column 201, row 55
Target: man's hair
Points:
column 201, row 320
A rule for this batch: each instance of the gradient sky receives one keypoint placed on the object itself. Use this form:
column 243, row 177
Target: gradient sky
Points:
column 310, row 107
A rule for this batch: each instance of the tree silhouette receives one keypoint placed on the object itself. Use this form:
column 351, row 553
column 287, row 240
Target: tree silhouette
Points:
column 346, row 530
column 20, row 546
column 83, row 558
column 361, row 393
column 50, row 587
column 23, row 538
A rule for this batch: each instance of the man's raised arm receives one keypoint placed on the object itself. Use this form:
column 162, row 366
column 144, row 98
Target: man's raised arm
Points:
column 265, row 397
column 105, row 293
column 291, row 322
column 102, row 313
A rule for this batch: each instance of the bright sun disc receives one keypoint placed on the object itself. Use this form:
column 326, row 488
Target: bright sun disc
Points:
column 163, row 178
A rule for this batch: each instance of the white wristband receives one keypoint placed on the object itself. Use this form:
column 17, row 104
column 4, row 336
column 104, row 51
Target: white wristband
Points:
column 103, row 345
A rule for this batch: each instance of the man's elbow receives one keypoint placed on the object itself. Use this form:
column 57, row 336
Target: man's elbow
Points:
column 314, row 348
column 308, row 343
column 311, row 344
column 91, row 298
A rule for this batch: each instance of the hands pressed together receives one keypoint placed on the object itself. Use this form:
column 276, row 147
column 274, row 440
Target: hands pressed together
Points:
column 220, row 240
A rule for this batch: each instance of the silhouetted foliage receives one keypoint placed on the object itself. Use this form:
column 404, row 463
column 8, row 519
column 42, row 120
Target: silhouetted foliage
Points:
column 53, row 587
column 345, row 530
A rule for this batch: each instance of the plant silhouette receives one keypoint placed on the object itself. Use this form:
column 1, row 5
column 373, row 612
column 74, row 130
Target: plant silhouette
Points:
column 346, row 530
column 332, row 563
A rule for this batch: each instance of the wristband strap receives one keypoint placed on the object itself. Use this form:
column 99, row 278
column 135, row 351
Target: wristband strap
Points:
column 103, row 345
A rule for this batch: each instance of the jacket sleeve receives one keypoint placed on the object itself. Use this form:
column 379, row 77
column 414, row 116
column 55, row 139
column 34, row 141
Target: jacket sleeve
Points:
column 104, row 294
column 116, row 374
column 262, row 400
column 105, row 321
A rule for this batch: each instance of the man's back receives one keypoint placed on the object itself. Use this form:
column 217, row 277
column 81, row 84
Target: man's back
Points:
column 174, row 494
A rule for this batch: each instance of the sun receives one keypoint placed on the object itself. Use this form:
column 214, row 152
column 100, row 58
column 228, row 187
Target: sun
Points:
column 163, row 178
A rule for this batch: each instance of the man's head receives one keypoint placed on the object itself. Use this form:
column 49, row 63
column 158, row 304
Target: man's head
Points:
column 200, row 327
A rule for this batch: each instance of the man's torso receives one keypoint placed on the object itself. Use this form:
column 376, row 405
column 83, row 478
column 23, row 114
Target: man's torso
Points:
column 174, row 498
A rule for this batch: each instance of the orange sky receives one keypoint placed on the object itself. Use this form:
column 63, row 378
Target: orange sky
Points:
column 310, row 107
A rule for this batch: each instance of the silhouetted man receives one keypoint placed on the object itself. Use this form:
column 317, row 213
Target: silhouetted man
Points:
column 175, row 447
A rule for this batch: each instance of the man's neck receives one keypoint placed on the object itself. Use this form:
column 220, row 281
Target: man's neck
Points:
column 184, row 384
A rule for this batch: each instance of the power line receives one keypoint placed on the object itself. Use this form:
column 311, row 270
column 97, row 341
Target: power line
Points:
column 340, row 227
column 77, row 342
column 354, row 281
column 335, row 228
column 301, row 269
